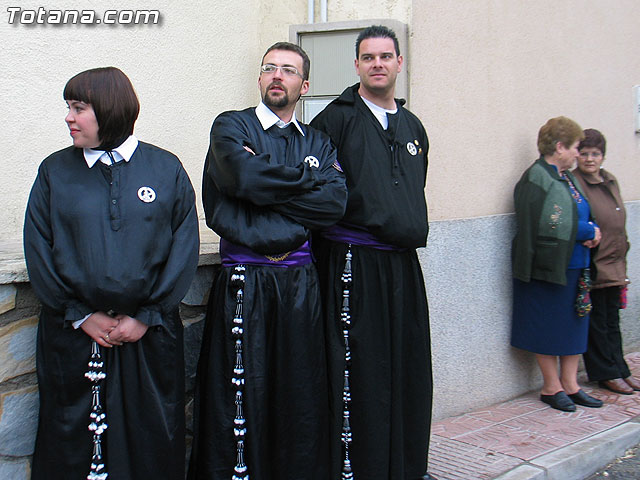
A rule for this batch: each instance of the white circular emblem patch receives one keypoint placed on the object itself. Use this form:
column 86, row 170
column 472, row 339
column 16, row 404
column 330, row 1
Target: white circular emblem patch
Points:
column 146, row 194
column 312, row 161
column 411, row 148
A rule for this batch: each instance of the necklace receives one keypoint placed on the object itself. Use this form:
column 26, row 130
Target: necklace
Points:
column 574, row 191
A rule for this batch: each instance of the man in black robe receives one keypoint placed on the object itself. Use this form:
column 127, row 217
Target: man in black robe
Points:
column 262, row 399
column 373, row 288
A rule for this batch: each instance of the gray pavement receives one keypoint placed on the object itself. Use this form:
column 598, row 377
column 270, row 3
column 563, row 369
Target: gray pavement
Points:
column 626, row 467
column 524, row 439
column 579, row 460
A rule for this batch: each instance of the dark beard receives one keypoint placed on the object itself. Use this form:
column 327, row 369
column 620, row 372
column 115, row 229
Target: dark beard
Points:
column 270, row 101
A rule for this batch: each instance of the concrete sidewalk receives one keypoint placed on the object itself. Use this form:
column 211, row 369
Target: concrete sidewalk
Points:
column 524, row 439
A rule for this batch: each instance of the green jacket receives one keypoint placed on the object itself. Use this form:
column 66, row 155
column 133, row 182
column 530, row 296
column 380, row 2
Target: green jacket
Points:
column 546, row 224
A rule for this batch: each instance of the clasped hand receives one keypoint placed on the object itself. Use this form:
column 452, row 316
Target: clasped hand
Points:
column 110, row 331
column 595, row 240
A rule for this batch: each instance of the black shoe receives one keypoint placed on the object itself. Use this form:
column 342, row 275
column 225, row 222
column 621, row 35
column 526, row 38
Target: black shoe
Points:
column 559, row 401
column 585, row 400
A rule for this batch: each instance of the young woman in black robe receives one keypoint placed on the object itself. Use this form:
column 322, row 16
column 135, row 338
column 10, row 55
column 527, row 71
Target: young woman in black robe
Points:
column 111, row 243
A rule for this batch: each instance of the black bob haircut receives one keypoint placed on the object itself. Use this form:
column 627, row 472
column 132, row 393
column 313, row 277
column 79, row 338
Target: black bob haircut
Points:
column 114, row 101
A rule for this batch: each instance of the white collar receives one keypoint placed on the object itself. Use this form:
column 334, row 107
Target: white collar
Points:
column 122, row 152
column 379, row 112
column 268, row 119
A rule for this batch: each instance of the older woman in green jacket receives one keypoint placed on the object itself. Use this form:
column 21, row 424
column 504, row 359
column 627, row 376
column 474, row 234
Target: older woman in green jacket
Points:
column 550, row 258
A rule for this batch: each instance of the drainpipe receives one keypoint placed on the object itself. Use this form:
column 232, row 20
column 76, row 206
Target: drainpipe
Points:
column 310, row 10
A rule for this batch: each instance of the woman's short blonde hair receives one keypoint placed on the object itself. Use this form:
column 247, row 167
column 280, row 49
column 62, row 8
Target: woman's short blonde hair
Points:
column 558, row 129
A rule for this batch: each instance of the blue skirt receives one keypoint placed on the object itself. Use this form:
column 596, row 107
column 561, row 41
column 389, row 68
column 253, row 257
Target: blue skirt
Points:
column 545, row 319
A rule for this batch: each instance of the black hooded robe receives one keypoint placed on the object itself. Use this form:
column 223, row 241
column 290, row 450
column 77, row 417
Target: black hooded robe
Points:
column 267, row 200
column 390, row 368
column 92, row 244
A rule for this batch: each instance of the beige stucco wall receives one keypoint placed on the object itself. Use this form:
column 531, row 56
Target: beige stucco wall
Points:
column 486, row 75
column 183, row 70
column 201, row 60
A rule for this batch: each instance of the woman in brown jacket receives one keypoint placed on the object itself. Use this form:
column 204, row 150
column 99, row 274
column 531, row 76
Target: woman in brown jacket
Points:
column 604, row 359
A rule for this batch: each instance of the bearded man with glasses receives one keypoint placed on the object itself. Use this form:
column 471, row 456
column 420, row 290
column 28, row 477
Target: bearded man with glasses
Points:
column 262, row 389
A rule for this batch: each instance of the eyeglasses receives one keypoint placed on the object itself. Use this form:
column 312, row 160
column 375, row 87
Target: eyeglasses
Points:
column 285, row 69
column 591, row 154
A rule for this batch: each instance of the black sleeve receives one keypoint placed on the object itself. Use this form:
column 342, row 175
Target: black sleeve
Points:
column 325, row 204
column 180, row 267
column 53, row 291
column 331, row 122
column 261, row 229
column 241, row 174
column 425, row 143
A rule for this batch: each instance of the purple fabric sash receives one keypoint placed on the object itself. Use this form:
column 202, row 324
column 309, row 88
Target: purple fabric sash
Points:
column 356, row 236
column 232, row 254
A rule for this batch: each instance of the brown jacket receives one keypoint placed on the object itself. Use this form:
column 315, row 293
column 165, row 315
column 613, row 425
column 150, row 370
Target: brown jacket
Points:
column 608, row 210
